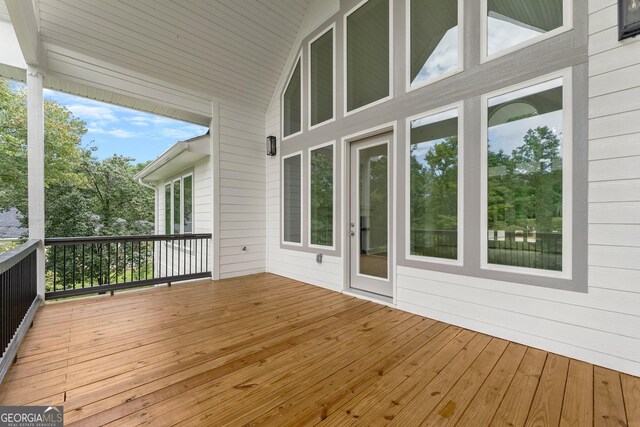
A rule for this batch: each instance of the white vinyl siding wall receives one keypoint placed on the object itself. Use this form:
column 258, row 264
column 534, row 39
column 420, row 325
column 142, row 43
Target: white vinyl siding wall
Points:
column 242, row 172
column 297, row 265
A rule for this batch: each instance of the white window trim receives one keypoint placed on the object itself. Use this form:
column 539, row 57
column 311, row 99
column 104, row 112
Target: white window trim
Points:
column 567, row 178
column 459, row 69
column 170, row 183
column 459, row 106
column 332, row 28
column 344, row 62
column 567, row 25
column 333, row 196
column 282, row 240
column 286, row 86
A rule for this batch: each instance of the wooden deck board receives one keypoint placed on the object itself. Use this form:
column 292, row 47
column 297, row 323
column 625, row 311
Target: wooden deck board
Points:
column 267, row 350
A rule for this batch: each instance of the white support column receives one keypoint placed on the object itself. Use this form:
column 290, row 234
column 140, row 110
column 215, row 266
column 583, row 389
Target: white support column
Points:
column 214, row 129
column 35, row 175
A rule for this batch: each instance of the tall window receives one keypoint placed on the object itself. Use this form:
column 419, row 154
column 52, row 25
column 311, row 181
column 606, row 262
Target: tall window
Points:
column 524, row 170
column 292, row 103
column 513, row 22
column 291, row 199
column 321, row 196
column 367, row 44
column 178, row 205
column 433, row 186
column 434, row 35
column 187, row 214
column 321, row 79
column 167, row 209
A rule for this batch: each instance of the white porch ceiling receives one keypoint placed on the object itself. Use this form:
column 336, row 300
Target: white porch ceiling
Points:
column 168, row 57
column 233, row 50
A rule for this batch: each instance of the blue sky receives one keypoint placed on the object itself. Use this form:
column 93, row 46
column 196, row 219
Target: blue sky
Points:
column 117, row 130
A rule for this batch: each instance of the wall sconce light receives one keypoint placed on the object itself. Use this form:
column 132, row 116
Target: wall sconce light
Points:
column 271, row 145
column 628, row 18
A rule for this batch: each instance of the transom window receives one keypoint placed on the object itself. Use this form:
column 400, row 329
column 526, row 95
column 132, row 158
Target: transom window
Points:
column 321, row 79
column 510, row 23
column 367, row 47
column 292, row 103
column 434, row 40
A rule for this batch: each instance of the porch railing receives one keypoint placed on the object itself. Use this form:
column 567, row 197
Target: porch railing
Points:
column 89, row 265
column 18, row 299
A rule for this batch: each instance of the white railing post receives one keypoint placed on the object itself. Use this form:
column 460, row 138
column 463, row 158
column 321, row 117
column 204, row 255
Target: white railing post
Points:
column 35, row 166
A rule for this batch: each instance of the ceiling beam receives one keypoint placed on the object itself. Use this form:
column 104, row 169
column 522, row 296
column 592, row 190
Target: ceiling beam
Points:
column 25, row 24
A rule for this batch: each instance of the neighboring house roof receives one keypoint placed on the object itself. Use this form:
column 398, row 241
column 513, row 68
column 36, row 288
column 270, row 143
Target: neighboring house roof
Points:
column 10, row 225
column 178, row 157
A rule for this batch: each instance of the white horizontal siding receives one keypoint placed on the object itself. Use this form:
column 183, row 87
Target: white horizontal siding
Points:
column 242, row 211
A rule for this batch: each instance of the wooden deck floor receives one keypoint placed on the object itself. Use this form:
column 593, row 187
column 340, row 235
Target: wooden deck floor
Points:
column 272, row 351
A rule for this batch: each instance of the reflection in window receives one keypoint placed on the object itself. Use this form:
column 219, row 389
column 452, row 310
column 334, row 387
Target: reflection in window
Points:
column 434, row 186
column 524, row 210
column 368, row 54
column 511, row 22
column 434, row 39
column 176, row 207
column 188, row 204
column 321, row 175
column 167, row 209
column 292, row 120
column 292, row 209
column 321, row 82
column 374, row 211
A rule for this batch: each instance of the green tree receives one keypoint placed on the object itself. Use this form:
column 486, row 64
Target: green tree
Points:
column 83, row 195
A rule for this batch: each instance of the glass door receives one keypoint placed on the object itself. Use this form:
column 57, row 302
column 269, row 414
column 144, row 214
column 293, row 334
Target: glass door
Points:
column 370, row 213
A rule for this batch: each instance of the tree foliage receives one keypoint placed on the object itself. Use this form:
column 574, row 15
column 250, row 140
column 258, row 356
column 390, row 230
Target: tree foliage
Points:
column 83, row 195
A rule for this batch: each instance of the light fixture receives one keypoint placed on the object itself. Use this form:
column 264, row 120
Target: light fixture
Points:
column 628, row 18
column 271, row 145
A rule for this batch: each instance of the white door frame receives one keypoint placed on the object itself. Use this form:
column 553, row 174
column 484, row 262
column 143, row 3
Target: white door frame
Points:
column 345, row 146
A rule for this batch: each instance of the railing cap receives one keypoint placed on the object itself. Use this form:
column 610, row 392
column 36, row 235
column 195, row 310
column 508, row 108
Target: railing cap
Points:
column 15, row 255
column 140, row 238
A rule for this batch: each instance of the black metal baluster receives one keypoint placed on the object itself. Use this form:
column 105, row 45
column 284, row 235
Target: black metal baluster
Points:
column 73, row 265
column 54, row 267
column 82, row 266
column 64, row 267
column 93, row 247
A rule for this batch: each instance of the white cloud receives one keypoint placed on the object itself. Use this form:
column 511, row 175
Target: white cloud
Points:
column 443, row 59
column 87, row 112
column 116, row 133
column 503, row 35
